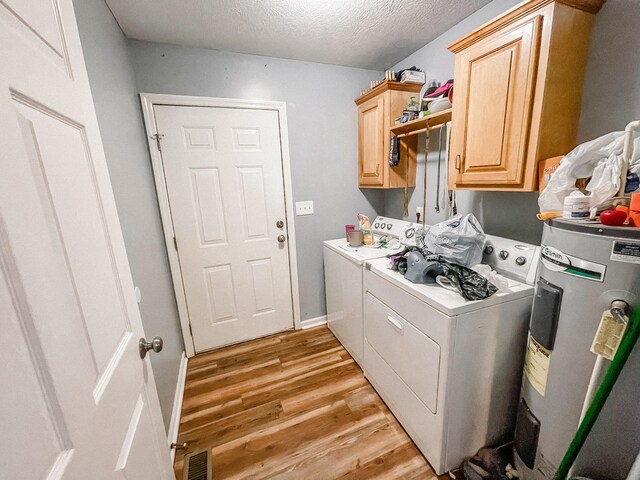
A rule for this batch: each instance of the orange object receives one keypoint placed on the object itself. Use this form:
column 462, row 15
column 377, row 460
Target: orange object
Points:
column 548, row 215
column 545, row 170
column 632, row 211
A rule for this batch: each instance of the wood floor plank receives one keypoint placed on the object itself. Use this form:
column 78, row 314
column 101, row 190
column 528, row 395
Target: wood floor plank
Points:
column 292, row 406
column 234, row 426
column 269, row 454
column 399, row 462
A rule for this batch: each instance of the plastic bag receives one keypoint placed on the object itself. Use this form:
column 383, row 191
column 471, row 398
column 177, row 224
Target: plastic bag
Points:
column 459, row 240
column 600, row 159
column 470, row 284
column 490, row 274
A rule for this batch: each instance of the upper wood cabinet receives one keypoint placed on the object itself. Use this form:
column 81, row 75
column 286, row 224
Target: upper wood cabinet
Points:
column 518, row 90
column 370, row 140
column 377, row 111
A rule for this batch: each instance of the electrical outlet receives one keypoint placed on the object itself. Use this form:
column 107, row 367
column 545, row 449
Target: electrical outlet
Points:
column 304, row 208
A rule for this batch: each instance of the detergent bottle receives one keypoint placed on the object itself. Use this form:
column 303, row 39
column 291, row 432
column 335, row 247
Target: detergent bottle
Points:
column 365, row 226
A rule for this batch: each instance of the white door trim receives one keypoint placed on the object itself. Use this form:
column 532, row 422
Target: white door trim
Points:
column 149, row 100
column 176, row 412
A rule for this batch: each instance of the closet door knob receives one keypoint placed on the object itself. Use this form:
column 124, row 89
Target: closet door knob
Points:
column 281, row 238
column 144, row 346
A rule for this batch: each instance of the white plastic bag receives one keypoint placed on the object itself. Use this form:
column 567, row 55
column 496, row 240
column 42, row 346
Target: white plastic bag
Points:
column 499, row 281
column 600, row 159
column 459, row 240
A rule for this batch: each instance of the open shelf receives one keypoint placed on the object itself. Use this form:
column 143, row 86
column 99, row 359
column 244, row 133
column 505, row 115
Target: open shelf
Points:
column 420, row 125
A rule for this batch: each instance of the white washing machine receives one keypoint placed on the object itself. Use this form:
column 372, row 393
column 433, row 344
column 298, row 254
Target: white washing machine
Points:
column 450, row 369
column 343, row 273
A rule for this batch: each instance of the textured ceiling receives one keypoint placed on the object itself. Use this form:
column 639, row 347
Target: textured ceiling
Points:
column 373, row 34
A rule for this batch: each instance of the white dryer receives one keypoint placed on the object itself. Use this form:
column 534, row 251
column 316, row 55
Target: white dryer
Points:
column 343, row 275
column 450, row 369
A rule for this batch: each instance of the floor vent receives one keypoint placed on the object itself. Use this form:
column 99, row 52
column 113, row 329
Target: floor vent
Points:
column 197, row 466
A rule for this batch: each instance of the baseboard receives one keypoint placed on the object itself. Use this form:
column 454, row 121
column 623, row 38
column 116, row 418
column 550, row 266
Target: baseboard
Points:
column 174, row 425
column 313, row 322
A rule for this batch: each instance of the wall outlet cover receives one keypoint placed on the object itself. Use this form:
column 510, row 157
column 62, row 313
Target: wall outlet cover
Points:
column 304, row 208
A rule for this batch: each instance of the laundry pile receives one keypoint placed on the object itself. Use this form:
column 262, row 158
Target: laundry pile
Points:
column 450, row 254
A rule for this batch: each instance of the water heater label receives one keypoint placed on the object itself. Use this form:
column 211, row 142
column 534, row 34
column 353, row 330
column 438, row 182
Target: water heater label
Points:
column 628, row 252
column 555, row 260
column 536, row 365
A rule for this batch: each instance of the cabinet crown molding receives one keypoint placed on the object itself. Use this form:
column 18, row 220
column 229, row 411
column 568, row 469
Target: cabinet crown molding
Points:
column 388, row 85
column 521, row 10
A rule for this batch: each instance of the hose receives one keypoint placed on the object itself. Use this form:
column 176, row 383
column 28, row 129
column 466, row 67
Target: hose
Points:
column 613, row 372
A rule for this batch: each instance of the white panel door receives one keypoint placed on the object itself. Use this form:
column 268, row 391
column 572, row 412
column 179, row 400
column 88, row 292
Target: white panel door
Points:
column 223, row 170
column 76, row 400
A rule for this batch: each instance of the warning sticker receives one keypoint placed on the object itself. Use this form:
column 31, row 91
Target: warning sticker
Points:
column 628, row 252
column 536, row 365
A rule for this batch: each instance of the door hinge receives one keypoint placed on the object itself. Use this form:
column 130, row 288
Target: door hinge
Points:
column 175, row 243
column 190, row 330
column 157, row 137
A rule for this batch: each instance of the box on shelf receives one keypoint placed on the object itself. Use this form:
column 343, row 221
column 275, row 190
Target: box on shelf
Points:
column 545, row 170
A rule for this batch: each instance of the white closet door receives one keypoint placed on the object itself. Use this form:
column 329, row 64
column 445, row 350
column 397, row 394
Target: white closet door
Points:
column 77, row 401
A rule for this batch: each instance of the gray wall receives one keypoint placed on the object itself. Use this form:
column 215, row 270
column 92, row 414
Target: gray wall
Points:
column 114, row 95
column 611, row 99
column 506, row 214
column 322, row 133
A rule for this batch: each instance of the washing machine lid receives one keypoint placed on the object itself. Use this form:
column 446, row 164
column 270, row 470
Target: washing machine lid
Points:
column 358, row 254
column 446, row 301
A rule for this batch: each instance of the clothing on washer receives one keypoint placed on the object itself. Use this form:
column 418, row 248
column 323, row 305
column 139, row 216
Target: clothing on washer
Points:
column 469, row 283
column 421, row 269
column 420, row 266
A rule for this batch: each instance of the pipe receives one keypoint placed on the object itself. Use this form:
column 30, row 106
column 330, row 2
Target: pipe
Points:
column 619, row 309
column 613, row 372
column 627, row 152
column 594, row 382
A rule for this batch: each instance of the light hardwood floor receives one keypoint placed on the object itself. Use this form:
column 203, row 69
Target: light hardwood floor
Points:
column 292, row 406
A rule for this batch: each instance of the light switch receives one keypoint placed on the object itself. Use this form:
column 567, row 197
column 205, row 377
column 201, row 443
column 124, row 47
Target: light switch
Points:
column 304, row 208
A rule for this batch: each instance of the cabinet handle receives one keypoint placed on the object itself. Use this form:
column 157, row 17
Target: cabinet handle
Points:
column 458, row 162
column 377, row 169
column 395, row 323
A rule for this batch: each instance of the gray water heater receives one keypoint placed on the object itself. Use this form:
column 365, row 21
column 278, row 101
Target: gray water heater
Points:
column 584, row 268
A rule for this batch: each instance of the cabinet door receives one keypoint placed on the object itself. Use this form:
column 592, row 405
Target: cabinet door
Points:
column 495, row 82
column 371, row 153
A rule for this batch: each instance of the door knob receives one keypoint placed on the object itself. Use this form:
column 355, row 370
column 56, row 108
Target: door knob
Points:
column 281, row 238
column 144, row 346
column 279, row 224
